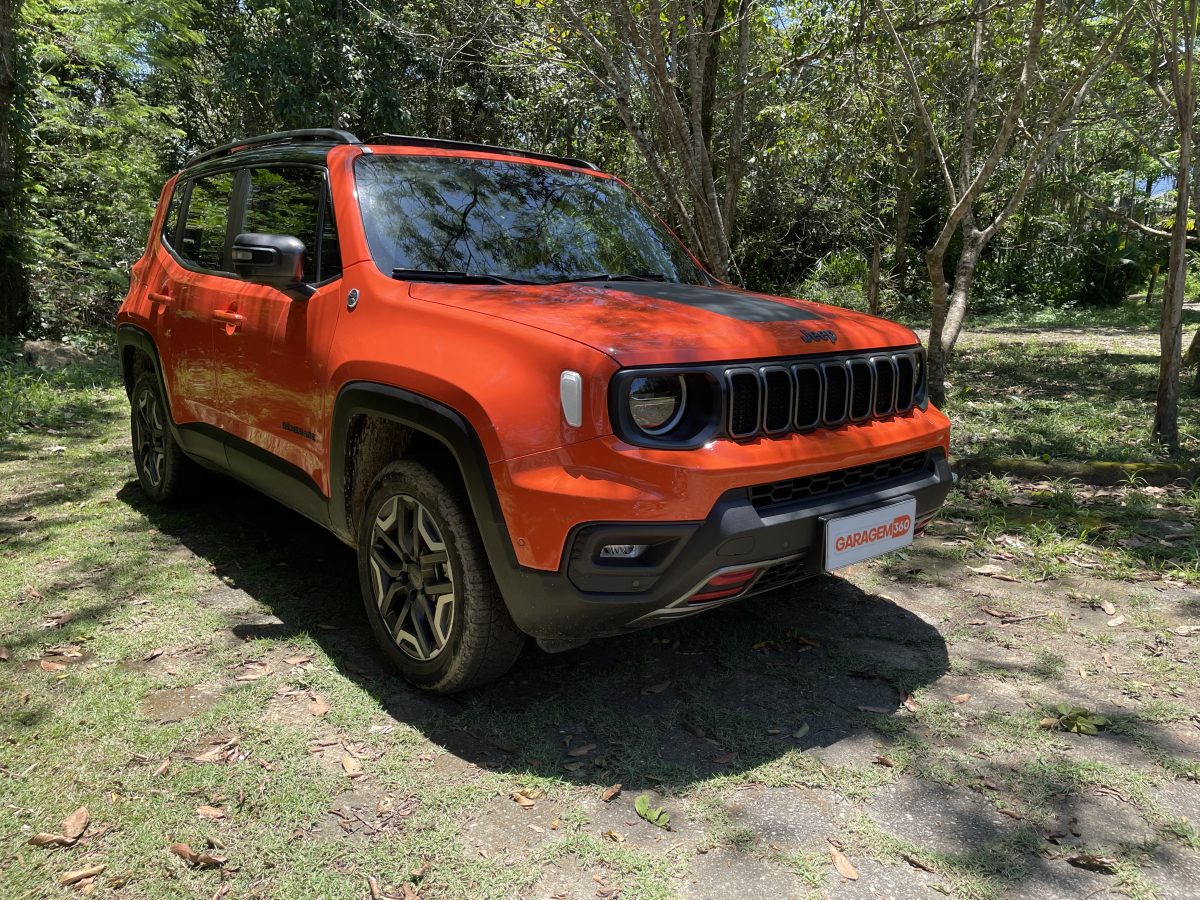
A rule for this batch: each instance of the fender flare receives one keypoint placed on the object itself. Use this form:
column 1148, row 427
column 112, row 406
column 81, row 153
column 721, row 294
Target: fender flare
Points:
column 141, row 340
column 443, row 424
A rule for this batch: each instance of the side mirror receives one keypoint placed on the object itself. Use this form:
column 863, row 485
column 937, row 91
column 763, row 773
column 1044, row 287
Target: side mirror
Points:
column 273, row 259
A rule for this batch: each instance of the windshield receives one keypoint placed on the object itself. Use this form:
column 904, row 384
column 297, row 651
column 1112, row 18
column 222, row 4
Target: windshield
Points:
column 511, row 220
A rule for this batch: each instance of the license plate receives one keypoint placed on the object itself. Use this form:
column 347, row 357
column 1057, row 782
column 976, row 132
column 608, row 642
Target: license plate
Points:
column 853, row 538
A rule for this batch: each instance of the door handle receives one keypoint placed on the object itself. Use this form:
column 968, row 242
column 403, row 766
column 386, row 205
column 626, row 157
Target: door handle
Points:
column 157, row 297
column 229, row 317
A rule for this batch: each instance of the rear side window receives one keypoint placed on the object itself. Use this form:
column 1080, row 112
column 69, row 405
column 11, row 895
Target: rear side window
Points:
column 171, row 222
column 290, row 200
column 204, row 228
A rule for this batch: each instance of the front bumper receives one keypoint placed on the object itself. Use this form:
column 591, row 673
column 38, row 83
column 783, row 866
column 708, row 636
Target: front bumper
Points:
column 776, row 531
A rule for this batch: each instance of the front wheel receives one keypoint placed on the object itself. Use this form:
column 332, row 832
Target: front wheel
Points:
column 428, row 590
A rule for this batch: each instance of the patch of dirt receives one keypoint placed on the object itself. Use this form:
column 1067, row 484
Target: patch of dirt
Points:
column 364, row 815
column 568, row 879
column 502, row 827
column 789, row 818
column 734, row 875
column 620, row 817
column 176, row 704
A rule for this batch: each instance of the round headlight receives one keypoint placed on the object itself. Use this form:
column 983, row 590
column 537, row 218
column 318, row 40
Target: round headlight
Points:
column 656, row 402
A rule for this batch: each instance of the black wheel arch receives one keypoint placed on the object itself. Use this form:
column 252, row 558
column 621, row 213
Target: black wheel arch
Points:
column 434, row 421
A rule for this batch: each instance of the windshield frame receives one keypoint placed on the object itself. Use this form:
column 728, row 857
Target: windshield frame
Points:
column 668, row 234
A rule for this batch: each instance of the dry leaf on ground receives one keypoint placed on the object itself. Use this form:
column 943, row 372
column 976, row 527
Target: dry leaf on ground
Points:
column 210, row 812
column 78, row 875
column 1116, row 621
column 960, row 698
column 319, row 705
column 844, row 867
column 610, row 793
column 581, row 750
column 351, row 766
column 76, row 823
column 153, row 654
column 656, row 688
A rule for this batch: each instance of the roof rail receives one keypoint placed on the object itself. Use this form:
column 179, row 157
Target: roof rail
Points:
column 405, row 140
column 300, row 135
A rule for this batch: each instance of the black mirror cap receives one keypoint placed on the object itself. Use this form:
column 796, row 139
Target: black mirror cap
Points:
column 272, row 259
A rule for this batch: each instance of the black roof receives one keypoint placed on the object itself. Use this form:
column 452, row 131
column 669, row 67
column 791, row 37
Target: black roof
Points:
column 324, row 137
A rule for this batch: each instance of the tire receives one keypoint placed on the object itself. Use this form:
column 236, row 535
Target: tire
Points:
column 429, row 592
column 162, row 467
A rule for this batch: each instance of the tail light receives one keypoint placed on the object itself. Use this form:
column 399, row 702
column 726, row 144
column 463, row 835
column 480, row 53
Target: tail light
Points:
column 724, row 586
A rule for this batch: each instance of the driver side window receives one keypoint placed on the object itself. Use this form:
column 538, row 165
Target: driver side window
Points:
column 293, row 200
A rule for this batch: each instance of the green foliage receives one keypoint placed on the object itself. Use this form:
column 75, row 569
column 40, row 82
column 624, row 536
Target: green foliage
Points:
column 1078, row 720
column 655, row 816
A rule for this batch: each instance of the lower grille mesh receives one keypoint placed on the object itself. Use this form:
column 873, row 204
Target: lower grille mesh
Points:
column 777, row 492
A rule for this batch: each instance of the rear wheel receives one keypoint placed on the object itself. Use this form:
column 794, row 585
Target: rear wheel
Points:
column 161, row 465
column 428, row 590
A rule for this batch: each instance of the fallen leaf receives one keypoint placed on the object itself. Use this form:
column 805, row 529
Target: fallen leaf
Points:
column 207, row 860
column 43, row 839
column 51, row 666
column 581, row 750
column 298, row 660
column 1093, row 862
column 253, row 672
column 1011, row 813
column 656, row 688
column 1049, row 723
column 802, row 731
column 373, row 887
column 988, row 569
column 960, row 698
column 523, row 801
column 844, row 867
column 916, row 863
column 1109, row 609
column 725, row 758
column 885, row 762
column 79, row 874
column 3, row 654
column 153, row 654
column 610, row 793
column 163, row 767
column 351, row 766
column 614, row 836
column 319, row 706
column 1181, row 630
column 210, row 812
column 910, row 704
column 76, row 823
column 1116, row 621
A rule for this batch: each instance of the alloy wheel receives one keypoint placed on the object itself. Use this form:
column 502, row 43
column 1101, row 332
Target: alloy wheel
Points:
column 411, row 578
column 150, row 440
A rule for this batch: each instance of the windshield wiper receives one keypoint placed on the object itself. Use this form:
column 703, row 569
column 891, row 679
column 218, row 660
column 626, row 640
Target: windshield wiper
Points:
column 455, row 277
column 609, row 276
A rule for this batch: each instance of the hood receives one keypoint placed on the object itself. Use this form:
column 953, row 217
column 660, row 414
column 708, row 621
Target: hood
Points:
column 651, row 323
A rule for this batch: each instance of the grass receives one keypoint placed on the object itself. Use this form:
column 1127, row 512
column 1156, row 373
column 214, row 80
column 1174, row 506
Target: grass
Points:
column 782, row 692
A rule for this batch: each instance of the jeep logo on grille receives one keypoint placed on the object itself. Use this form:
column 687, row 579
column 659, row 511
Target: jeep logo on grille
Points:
column 811, row 336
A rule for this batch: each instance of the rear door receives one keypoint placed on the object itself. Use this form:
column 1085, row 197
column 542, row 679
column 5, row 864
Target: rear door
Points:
column 272, row 370
column 189, row 288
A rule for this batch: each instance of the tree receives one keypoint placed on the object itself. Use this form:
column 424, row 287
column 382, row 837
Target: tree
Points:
column 1173, row 25
column 1040, row 102
column 680, row 76
column 14, row 286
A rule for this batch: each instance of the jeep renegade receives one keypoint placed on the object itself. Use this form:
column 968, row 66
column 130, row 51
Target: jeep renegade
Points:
column 504, row 382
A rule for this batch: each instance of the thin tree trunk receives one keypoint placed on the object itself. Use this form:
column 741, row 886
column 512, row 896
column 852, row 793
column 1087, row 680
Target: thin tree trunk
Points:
column 1166, row 412
column 1150, row 289
column 14, row 285
column 873, row 276
column 913, row 173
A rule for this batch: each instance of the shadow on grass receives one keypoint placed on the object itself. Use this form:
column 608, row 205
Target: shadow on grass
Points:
column 719, row 693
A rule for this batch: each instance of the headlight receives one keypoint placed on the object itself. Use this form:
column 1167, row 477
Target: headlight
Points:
column 656, row 402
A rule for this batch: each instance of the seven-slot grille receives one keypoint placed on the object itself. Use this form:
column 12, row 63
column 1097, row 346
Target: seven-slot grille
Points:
column 774, row 398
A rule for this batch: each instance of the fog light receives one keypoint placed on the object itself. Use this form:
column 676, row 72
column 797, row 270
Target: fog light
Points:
column 623, row 551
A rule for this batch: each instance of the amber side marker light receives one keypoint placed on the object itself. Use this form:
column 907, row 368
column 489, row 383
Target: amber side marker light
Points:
column 723, row 586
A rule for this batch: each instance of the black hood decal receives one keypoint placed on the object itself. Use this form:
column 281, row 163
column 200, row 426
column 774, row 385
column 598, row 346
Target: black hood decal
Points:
column 718, row 300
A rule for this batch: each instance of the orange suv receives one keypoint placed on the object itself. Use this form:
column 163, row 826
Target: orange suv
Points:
column 498, row 376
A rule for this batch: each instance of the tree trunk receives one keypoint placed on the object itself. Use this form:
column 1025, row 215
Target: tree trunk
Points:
column 1150, row 289
column 873, row 276
column 913, row 173
column 1170, row 338
column 14, row 286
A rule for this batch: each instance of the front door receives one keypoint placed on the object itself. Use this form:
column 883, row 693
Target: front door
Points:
column 272, row 368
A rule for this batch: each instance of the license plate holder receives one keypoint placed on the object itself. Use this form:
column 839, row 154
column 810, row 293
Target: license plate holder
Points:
column 853, row 537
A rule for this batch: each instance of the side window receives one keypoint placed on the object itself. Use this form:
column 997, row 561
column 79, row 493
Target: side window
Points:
column 171, row 222
column 204, row 228
column 289, row 200
column 331, row 254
